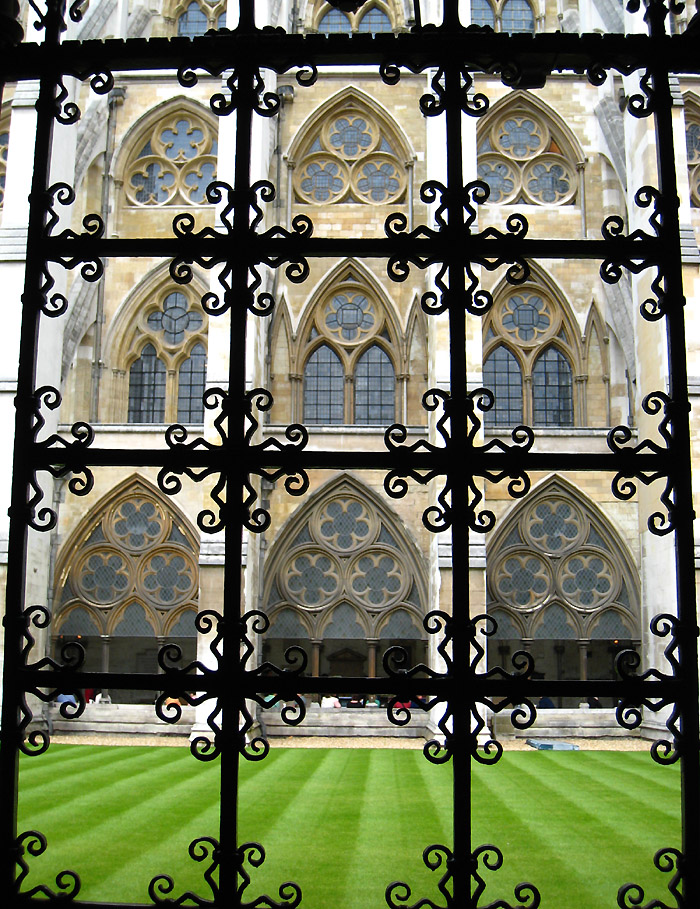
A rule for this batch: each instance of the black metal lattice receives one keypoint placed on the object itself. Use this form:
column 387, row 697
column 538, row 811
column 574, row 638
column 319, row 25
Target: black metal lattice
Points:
column 456, row 463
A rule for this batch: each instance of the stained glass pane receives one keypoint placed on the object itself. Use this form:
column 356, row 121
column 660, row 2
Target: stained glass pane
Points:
column 192, row 22
column 375, row 388
column 692, row 139
column 552, row 390
column 376, row 20
column 133, row 623
column 518, row 17
column 147, row 388
column 324, row 387
column 555, row 626
column 174, row 319
column 152, row 184
column 482, row 13
column 183, row 141
column 502, row 375
column 333, row 22
column 191, row 380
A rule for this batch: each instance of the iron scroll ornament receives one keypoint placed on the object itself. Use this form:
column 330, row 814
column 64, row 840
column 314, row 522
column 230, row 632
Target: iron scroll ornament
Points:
column 437, row 857
column 206, row 848
column 33, row 843
column 630, row 896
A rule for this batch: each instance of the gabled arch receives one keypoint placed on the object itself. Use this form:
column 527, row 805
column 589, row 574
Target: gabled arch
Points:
column 344, row 546
column 527, row 153
column 558, row 547
column 178, row 179
column 350, row 150
column 121, row 536
column 525, row 322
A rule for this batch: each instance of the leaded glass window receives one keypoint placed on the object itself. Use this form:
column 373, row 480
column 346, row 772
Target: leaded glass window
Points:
column 503, row 376
column 147, row 388
column 191, row 382
column 552, row 390
column 174, row 163
column 324, row 388
column 375, row 21
column 4, row 144
column 175, row 319
column 522, row 159
column 692, row 138
column 375, row 388
column 352, row 157
column 482, row 13
column 334, row 22
column 192, row 22
column 517, row 16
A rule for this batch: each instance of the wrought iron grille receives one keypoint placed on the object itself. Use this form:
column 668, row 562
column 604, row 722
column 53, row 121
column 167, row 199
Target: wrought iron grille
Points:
column 455, row 462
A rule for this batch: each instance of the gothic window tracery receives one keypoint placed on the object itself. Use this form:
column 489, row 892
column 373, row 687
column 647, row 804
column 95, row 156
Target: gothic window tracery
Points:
column 130, row 573
column 375, row 20
column 4, row 145
column 173, row 163
column 167, row 376
column 513, row 16
column 349, row 374
column 344, row 572
column 558, row 573
column 195, row 18
column 529, row 361
column 523, row 161
column 692, row 138
column 350, row 157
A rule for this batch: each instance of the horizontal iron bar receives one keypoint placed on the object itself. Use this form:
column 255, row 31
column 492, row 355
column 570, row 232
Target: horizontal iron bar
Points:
column 219, row 683
column 475, row 49
column 243, row 459
column 436, row 248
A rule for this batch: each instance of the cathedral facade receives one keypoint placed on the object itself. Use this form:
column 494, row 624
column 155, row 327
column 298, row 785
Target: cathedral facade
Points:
column 568, row 571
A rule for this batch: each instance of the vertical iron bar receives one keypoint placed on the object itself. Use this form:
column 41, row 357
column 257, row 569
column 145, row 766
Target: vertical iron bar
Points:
column 682, row 482
column 457, row 480
column 23, row 443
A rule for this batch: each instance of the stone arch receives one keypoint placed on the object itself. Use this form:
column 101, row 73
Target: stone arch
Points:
column 132, row 565
column 556, row 566
column 527, row 153
column 343, row 550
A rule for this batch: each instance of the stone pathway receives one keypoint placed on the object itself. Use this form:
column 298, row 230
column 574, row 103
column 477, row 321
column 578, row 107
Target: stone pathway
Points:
column 597, row 744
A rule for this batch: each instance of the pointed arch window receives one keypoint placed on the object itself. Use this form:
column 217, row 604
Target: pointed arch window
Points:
column 375, row 388
column 197, row 17
column 552, row 390
column 128, row 577
column 349, row 375
column 350, row 157
column 692, row 139
column 523, row 161
column 324, row 387
column 558, row 573
column 4, row 146
column 513, row 16
column 167, row 379
column 376, row 19
column 173, row 163
column 530, row 384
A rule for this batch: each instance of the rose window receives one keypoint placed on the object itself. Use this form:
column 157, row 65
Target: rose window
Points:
column 554, row 525
column 175, row 319
column 104, row 577
column 168, row 577
column 524, row 579
column 137, row 524
column 348, row 316
column 345, row 524
column 376, row 579
column 586, row 579
column 526, row 316
column 312, row 579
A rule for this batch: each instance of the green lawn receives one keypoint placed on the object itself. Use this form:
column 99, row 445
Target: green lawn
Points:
column 344, row 823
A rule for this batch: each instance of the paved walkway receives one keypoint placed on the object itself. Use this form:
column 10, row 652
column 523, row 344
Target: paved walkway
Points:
column 597, row 744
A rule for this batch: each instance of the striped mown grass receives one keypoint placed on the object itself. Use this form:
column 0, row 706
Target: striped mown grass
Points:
column 343, row 823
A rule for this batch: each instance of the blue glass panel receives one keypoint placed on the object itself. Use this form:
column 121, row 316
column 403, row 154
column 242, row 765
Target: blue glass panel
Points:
column 147, row 388
column 526, row 316
column 498, row 177
column 378, row 181
column 376, row 20
column 549, row 183
column 334, row 22
column 552, row 390
column 324, row 388
column 502, row 375
column 152, row 186
column 692, row 140
column 518, row 17
column 198, row 181
column 192, row 22
column 349, row 315
column 322, row 181
column 190, row 389
column 482, row 13
column 183, row 141
column 521, row 138
column 175, row 320
column 350, row 136
column 375, row 388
